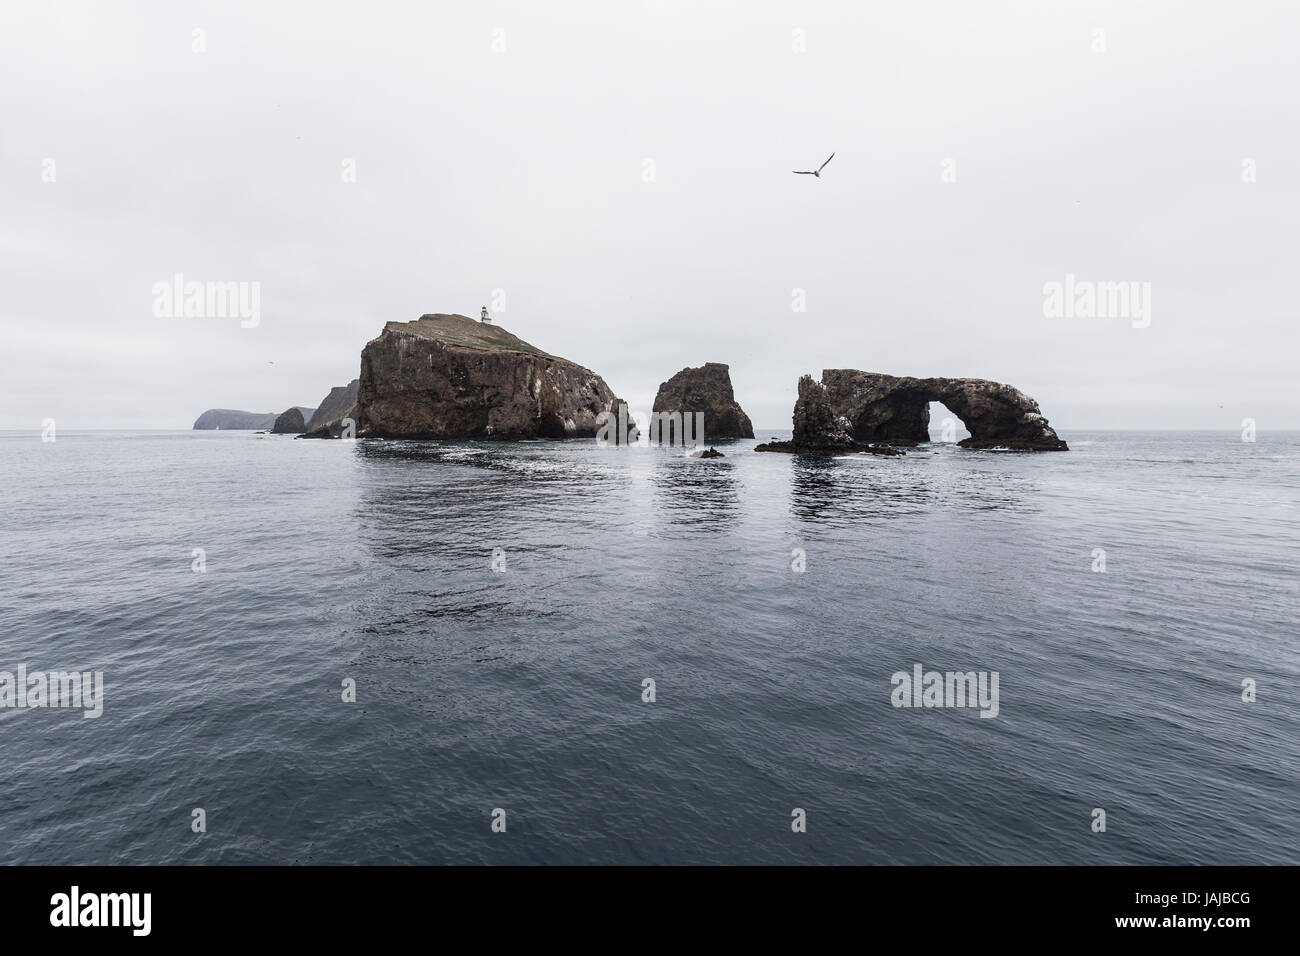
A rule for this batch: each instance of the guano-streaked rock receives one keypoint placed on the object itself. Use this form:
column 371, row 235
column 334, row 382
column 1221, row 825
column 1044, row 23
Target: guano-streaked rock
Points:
column 706, row 389
column 817, row 430
column 894, row 410
column 450, row 377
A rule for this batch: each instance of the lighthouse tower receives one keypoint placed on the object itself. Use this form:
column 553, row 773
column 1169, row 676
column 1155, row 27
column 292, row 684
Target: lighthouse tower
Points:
column 484, row 317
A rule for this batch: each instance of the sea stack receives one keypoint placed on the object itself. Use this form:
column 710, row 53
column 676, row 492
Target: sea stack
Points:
column 451, row 377
column 289, row 422
column 817, row 430
column 706, row 389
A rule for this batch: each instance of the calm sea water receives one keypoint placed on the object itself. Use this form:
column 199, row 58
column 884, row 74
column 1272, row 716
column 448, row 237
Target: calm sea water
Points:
column 522, row 690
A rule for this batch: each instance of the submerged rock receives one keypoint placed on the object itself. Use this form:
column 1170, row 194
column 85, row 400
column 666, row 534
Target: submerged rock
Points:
column 707, row 453
column 450, row 377
column 706, row 389
column 332, row 430
column 886, row 408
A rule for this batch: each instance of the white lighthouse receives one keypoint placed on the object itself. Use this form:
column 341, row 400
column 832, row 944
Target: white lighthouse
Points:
column 484, row 317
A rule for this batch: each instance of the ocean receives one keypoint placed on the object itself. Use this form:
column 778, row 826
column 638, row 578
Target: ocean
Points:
column 499, row 612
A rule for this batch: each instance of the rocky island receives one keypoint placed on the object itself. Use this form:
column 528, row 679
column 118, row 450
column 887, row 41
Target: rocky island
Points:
column 818, row 430
column 850, row 410
column 232, row 419
column 706, row 389
column 451, row 377
column 886, row 408
column 289, row 422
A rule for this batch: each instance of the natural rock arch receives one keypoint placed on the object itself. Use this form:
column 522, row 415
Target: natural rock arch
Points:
column 890, row 409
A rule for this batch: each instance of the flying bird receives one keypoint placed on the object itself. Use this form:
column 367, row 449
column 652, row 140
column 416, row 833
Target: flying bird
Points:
column 813, row 172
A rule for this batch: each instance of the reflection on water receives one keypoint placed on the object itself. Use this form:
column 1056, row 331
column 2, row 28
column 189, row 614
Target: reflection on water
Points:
column 521, row 687
column 571, row 519
column 852, row 488
column 695, row 491
column 459, row 529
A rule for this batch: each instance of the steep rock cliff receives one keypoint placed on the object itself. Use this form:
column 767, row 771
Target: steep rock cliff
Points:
column 706, row 389
column 450, row 377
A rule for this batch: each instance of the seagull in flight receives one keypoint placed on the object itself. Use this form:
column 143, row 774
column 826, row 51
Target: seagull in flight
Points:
column 813, row 172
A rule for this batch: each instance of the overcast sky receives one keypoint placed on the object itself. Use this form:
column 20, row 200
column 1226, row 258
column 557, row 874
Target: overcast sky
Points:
column 524, row 169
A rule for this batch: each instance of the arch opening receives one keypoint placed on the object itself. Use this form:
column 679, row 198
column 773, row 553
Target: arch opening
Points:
column 946, row 428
